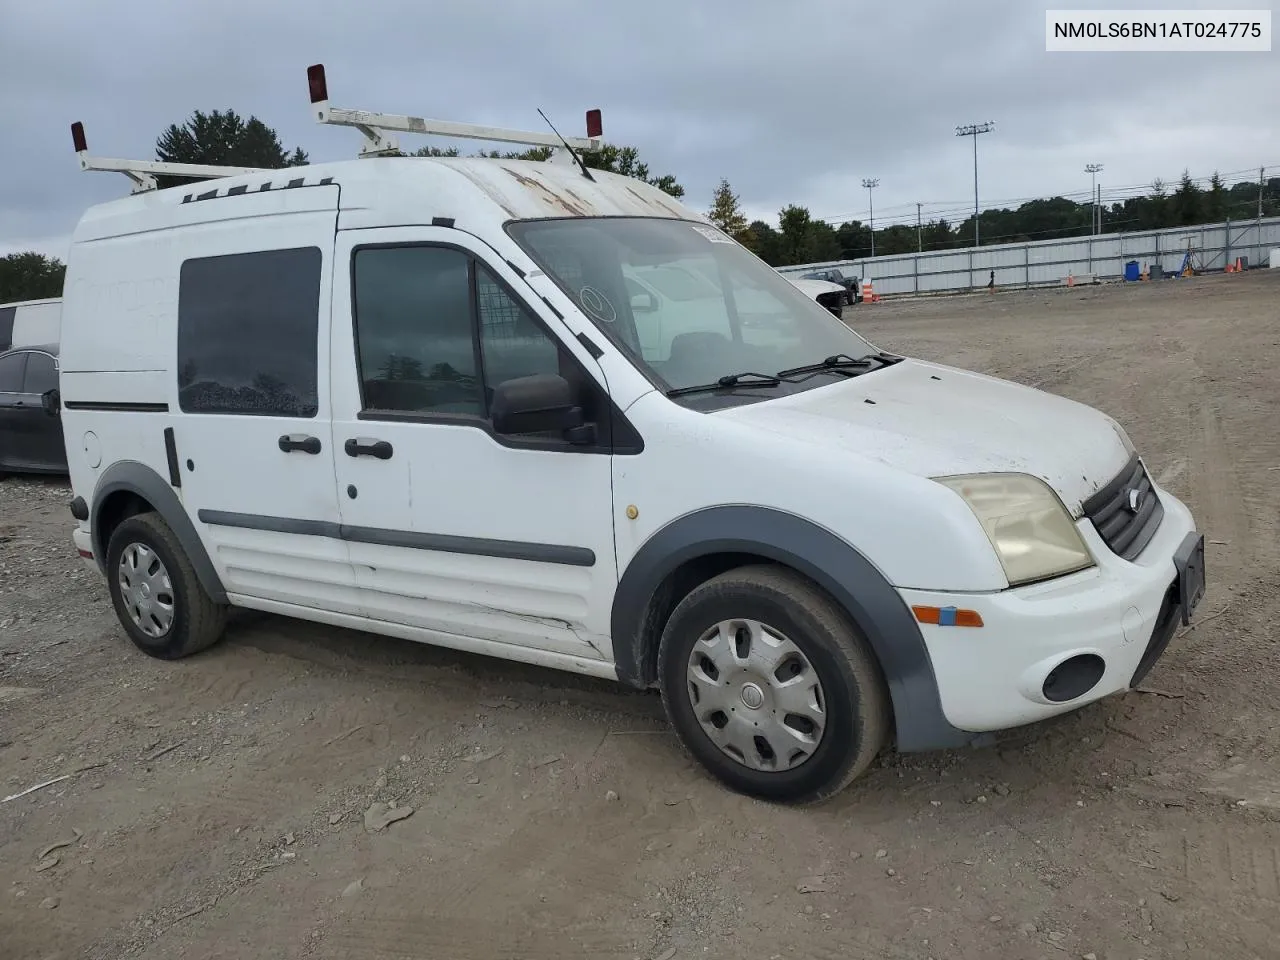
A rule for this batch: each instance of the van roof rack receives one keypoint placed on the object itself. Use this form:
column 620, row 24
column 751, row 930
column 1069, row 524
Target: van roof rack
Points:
column 143, row 173
column 378, row 128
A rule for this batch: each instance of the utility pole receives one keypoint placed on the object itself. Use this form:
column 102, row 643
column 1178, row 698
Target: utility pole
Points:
column 1262, row 172
column 1092, row 169
column 871, row 184
column 919, row 235
column 972, row 130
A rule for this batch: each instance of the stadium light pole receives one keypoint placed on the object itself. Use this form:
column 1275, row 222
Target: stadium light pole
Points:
column 972, row 130
column 871, row 184
column 1093, row 169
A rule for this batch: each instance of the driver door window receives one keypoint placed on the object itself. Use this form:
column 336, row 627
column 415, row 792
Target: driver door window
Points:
column 436, row 332
column 414, row 331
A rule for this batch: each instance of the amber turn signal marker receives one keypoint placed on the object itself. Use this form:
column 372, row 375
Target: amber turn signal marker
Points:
column 948, row 616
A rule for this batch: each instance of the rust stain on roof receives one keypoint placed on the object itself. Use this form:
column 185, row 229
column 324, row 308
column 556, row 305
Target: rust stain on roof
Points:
column 529, row 189
column 548, row 195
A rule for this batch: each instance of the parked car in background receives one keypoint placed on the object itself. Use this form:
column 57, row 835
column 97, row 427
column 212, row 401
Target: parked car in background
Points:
column 830, row 295
column 30, row 422
column 852, row 285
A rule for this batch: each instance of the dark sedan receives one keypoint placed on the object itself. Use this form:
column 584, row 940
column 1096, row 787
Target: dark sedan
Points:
column 30, row 425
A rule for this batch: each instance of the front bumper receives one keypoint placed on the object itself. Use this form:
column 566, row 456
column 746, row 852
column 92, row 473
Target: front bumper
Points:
column 1052, row 647
column 84, row 547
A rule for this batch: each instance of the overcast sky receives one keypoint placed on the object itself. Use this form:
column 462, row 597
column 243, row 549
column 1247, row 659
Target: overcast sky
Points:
column 793, row 103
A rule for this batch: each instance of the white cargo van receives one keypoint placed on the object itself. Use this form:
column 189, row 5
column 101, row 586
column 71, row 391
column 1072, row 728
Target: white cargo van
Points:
column 416, row 397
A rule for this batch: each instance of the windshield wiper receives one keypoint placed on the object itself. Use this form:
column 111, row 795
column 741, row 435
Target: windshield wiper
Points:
column 840, row 361
column 728, row 382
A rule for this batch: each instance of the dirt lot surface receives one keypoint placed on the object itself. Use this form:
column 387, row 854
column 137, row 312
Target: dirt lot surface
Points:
column 216, row 807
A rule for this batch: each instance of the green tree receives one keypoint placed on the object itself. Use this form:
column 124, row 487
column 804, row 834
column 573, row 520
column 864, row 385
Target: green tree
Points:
column 223, row 138
column 1188, row 202
column 805, row 240
column 1216, row 200
column 854, row 239
column 765, row 242
column 30, row 276
column 726, row 214
column 626, row 161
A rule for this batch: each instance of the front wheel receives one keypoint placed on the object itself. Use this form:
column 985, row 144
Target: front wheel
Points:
column 771, row 687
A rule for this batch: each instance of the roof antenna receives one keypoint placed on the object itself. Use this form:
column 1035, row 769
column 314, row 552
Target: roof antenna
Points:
column 582, row 166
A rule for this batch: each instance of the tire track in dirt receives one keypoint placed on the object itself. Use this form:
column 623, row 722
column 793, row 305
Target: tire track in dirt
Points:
column 413, row 935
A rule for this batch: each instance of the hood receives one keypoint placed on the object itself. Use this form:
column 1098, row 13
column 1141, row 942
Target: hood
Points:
column 931, row 420
column 812, row 288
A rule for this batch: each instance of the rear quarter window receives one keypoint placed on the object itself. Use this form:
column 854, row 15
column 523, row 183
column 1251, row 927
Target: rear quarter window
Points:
column 42, row 373
column 248, row 326
column 11, row 368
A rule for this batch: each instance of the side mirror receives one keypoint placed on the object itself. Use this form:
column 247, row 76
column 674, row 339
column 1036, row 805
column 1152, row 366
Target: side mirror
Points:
column 51, row 401
column 644, row 303
column 542, row 403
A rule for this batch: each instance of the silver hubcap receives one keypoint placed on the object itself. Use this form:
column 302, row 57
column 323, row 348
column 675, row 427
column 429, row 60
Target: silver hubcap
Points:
column 146, row 590
column 756, row 695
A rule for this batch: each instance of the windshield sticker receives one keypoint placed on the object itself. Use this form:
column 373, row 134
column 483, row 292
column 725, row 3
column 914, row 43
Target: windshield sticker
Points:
column 712, row 234
column 598, row 305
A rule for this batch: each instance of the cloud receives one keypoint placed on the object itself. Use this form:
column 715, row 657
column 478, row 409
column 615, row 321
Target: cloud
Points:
column 792, row 103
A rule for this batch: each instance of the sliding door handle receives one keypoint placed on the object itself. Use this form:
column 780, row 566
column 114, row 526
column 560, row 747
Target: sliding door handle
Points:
column 299, row 441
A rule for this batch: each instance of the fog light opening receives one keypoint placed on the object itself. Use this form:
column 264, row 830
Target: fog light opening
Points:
column 1073, row 677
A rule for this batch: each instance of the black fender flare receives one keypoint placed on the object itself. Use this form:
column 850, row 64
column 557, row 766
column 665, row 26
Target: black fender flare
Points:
column 140, row 479
column 817, row 553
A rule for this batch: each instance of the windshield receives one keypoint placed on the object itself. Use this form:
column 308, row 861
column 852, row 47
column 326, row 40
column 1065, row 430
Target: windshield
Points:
column 686, row 303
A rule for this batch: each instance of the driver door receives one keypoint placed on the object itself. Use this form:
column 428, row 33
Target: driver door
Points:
column 453, row 528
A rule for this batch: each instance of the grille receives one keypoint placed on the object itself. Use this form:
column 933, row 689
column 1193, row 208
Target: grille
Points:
column 1126, row 530
column 832, row 300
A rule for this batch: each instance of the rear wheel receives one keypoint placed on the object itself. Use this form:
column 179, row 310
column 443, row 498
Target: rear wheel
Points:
column 156, row 593
column 770, row 687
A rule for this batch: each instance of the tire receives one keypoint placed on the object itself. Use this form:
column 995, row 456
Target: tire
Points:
column 192, row 621
column 853, row 701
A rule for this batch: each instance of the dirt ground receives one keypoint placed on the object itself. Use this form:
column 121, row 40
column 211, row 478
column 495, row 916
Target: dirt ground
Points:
column 215, row 807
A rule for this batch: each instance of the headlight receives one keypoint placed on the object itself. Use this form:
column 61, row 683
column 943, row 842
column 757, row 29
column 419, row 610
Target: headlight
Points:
column 1026, row 522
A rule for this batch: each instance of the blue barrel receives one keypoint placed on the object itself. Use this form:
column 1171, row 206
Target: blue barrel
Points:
column 1132, row 271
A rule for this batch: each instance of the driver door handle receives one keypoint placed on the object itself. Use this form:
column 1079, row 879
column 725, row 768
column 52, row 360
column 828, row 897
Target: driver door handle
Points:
column 365, row 447
column 297, row 441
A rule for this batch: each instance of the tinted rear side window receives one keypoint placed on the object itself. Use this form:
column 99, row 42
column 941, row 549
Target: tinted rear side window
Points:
column 11, row 368
column 42, row 373
column 248, row 325
column 6, row 326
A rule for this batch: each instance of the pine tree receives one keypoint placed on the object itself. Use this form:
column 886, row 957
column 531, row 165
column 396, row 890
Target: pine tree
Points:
column 727, row 215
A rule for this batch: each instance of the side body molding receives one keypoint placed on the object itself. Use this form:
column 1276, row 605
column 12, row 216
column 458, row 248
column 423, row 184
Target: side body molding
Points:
column 818, row 554
column 133, row 477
